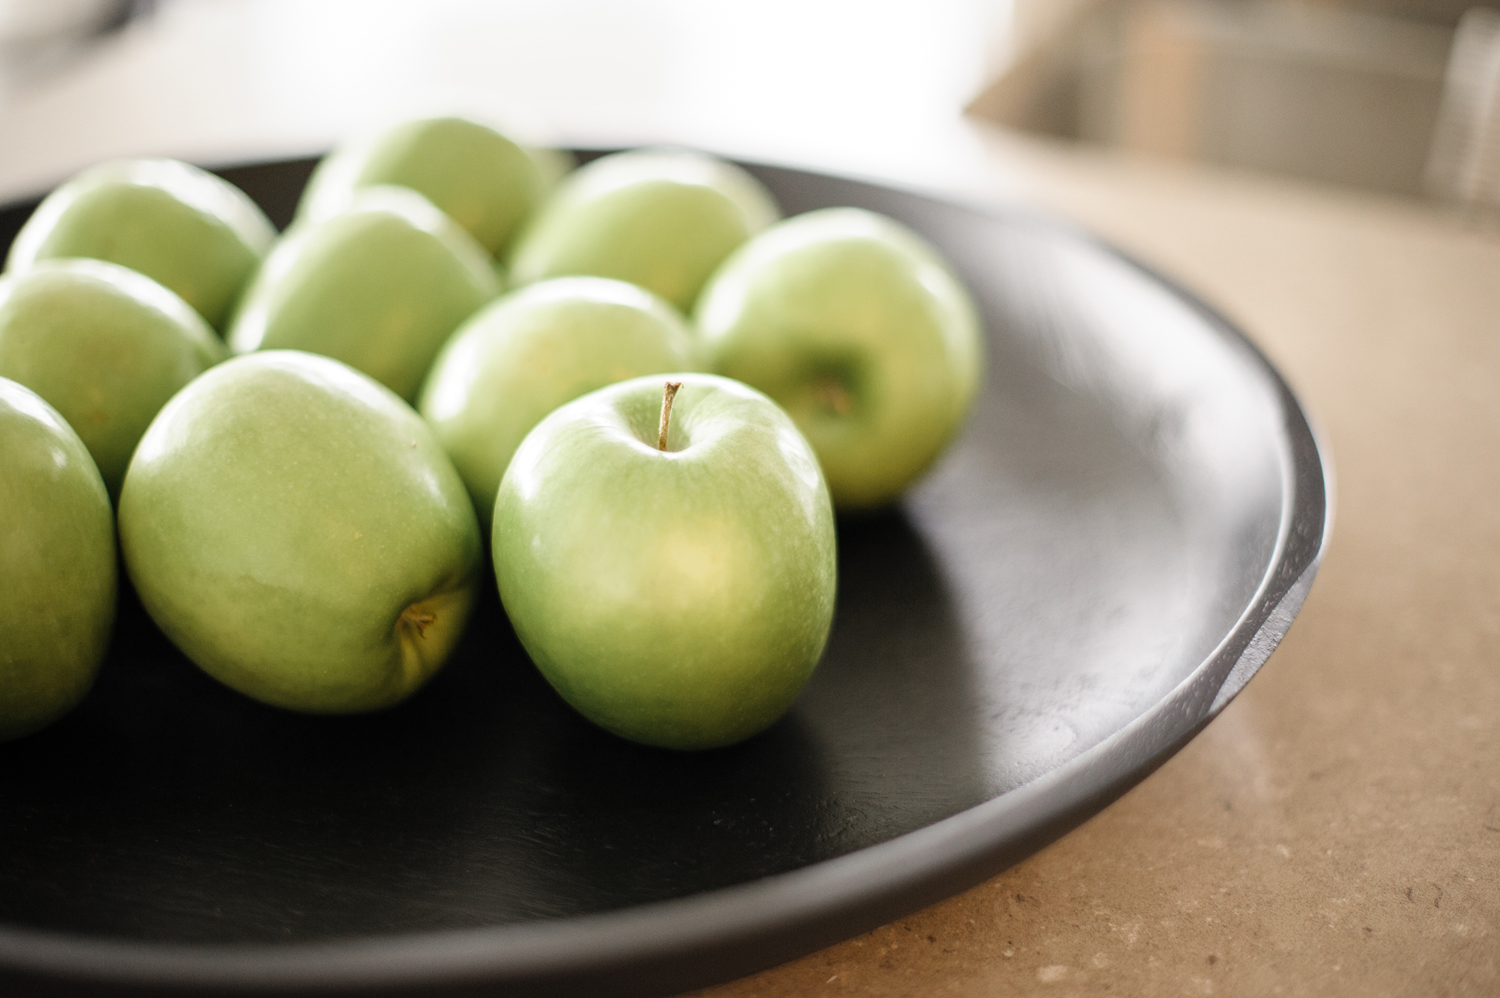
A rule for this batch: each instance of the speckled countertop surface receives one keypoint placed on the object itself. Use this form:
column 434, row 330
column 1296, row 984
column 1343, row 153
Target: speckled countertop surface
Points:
column 1336, row 831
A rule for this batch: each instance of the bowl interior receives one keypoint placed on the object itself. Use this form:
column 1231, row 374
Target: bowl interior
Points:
column 1105, row 520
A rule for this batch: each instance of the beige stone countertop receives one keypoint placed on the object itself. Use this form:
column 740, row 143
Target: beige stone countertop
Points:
column 1336, row 830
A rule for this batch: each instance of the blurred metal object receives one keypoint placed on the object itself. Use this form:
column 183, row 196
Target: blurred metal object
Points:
column 1319, row 92
column 30, row 22
column 1464, row 165
column 39, row 35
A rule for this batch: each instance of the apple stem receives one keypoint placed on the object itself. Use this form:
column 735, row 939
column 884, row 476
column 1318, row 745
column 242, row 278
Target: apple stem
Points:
column 835, row 397
column 418, row 618
column 667, row 396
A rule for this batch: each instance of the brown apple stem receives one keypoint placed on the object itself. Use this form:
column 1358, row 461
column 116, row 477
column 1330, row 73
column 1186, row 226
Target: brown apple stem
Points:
column 418, row 618
column 835, row 397
column 667, row 396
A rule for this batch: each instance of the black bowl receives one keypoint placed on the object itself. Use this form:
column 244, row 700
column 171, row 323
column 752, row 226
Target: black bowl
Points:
column 1114, row 546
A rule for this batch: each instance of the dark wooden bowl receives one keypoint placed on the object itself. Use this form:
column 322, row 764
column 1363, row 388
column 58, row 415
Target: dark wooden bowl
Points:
column 1100, row 563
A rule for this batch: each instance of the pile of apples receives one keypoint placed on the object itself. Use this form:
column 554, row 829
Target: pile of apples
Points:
column 302, row 442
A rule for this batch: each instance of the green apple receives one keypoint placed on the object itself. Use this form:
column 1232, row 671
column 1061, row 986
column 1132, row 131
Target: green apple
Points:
column 554, row 164
column 861, row 332
column 183, row 227
column 295, row 529
column 663, row 220
column 105, row 346
column 380, row 287
column 57, row 565
column 531, row 351
column 481, row 179
column 676, row 596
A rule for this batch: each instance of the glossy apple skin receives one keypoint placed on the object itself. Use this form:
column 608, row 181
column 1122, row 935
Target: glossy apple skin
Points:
column 660, row 219
column 481, row 179
column 297, row 532
column 861, row 332
column 678, row 598
column 57, row 565
column 105, row 346
column 183, row 227
column 531, row 351
column 380, row 287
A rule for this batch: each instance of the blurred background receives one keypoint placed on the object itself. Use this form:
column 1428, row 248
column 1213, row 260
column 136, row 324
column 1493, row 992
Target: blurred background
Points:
column 1395, row 96
column 1392, row 95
